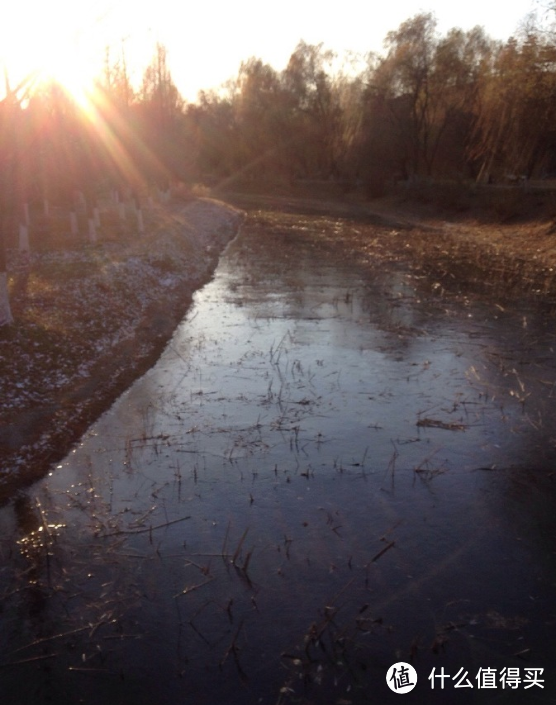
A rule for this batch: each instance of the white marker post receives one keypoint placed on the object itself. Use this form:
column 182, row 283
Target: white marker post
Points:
column 6, row 317
column 140, row 224
column 73, row 224
column 92, row 230
column 23, row 239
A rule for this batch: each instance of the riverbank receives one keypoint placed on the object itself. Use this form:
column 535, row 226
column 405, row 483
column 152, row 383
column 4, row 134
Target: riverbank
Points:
column 499, row 243
column 89, row 320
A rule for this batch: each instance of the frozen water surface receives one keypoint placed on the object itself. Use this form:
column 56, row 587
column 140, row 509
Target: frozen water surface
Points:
column 327, row 472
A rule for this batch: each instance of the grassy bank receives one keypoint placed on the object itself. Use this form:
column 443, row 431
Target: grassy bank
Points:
column 89, row 319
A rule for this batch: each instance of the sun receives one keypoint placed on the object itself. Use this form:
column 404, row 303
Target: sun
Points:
column 74, row 77
column 60, row 58
column 51, row 41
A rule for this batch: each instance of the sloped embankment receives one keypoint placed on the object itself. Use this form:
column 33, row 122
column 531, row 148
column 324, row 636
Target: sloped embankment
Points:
column 90, row 320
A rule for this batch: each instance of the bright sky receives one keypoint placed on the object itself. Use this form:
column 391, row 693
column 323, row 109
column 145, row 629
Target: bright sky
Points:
column 206, row 41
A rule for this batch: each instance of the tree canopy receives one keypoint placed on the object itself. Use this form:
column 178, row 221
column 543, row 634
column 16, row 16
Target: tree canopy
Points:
column 456, row 105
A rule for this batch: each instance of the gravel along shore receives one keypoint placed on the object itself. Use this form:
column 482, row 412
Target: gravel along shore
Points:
column 89, row 320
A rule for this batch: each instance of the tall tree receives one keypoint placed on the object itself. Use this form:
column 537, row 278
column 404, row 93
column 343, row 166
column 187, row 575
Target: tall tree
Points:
column 314, row 108
column 259, row 119
column 159, row 94
column 403, row 79
column 515, row 126
column 420, row 104
column 462, row 60
column 115, row 80
column 161, row 113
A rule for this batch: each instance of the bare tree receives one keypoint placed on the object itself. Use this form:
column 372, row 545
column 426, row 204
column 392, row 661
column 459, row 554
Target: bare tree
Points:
column 515, row 125
column 314, row 108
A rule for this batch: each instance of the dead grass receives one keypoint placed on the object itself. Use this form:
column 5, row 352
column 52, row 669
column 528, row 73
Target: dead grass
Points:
column 499, row 241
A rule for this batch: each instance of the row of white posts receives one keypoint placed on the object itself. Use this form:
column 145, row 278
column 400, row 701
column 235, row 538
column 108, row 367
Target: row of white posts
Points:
column 94, row 221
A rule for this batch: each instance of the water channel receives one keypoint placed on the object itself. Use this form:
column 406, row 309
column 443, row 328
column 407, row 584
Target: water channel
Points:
column 331, row 469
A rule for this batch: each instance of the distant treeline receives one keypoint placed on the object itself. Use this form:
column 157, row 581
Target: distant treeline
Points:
column 457, row 106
